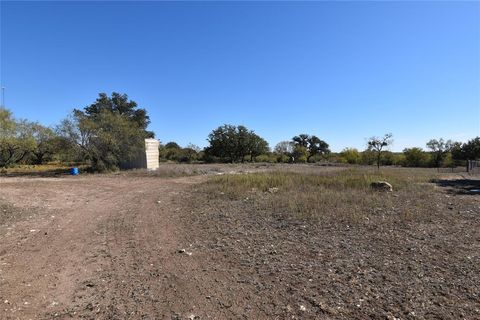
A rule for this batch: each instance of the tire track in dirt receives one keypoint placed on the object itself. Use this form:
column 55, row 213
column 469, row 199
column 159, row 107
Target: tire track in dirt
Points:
column 45, row 255
column 149, row 278
column 103, row 247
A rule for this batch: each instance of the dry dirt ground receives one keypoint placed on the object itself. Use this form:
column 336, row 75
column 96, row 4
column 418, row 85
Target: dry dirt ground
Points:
column 146, row 247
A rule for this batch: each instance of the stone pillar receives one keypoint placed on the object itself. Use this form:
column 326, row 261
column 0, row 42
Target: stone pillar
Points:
column 151, row 154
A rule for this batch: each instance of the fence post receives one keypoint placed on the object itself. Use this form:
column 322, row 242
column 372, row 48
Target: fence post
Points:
column 472, row 166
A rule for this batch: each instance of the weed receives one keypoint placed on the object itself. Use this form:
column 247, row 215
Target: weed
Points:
column 342, row 195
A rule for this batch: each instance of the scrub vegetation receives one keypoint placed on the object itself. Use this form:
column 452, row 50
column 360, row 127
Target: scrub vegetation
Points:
column 111, row 132
column 343, row 195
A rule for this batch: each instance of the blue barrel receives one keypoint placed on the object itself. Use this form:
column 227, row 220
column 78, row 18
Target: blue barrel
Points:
column 74, row 171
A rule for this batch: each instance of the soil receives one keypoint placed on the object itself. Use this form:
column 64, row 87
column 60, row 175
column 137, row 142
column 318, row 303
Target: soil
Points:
column 146, row 247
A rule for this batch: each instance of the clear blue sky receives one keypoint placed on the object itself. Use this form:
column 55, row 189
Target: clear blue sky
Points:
column 343, row 71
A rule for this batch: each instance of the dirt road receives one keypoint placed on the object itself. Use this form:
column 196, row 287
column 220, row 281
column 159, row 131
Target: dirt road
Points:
column 97, row 247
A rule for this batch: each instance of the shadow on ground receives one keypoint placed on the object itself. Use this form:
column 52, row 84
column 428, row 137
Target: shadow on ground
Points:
column 460, row 186
column 47, row 173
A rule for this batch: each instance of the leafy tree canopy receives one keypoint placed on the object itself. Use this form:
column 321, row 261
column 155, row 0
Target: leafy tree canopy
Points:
column 119, row 104
column 172, row 145
column 313, row 145
column 16, row 139
column 470, row 150
column 415, row 157
column 233, row 143
column 440, row 148
column 109, row 132
column 351, row 155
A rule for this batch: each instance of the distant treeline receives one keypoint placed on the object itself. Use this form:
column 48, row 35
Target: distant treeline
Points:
column 287, row 152
column 113, row 128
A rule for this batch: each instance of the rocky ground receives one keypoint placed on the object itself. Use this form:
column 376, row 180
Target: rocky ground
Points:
column 148, row 247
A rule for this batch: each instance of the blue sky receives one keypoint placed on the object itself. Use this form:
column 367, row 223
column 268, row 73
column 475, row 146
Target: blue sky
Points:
column 343, row 71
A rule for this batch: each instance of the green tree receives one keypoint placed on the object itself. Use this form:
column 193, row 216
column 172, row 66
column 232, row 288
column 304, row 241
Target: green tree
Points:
column 314, row 145
column 377, row 145
column 172, row 145
column 300, row 154
column 191, row 152
column 223, row 143
column 173, row 152
column 439, row 149
column 350, row 155
column 457, row 152
column 415, row 157
column 47, row 143
column 233, row 143
column 471, row 149
column 301, row 140
column 108, row 133
column 242, row 148
column 368, row 157
column 256, row 146
column 120, row 104
column 16, row 140
column 388, row 158
column 7, row 122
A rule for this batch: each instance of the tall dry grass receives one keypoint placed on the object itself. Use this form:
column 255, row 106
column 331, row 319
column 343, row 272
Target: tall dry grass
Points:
column 343, row 195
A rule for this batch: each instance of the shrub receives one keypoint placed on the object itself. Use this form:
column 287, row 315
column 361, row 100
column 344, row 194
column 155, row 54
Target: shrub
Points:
column 350, row 155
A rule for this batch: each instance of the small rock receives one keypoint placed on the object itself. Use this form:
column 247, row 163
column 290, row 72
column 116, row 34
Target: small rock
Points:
column 381, row 186
column 302, row 308
column 273, row 190
column 185, row 252
column 176, row 316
